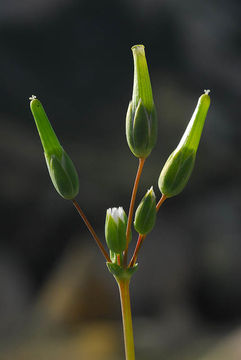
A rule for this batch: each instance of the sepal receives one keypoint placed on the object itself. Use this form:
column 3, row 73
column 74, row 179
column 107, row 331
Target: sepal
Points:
column 141, row 129
column 63, row 175
column 121, row 273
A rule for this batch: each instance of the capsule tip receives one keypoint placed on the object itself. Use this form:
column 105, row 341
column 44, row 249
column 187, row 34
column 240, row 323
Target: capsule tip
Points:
column 206, row 92
column 32, row 97
column 150, row 190
column 138, row 48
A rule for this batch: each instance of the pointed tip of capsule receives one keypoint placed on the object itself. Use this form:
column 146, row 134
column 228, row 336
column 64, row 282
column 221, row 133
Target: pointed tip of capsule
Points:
column 138, row 47
column 33, row 97
column 205, row 98
column 150, row 191
column 34, row 103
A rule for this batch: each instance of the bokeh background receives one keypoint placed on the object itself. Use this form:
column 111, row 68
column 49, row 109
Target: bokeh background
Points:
column 57, row 300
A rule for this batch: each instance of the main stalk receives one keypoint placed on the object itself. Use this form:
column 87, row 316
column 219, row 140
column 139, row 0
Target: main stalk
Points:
column 124, row 290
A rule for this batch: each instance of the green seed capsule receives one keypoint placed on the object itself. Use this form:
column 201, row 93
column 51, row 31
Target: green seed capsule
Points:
column 61, row 168
column 176, row 172
column 145, row 216
column 141, row 119
column 115, row 229
column 178, row 168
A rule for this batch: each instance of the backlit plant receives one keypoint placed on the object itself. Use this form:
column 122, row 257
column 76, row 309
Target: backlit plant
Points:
column 141, row 135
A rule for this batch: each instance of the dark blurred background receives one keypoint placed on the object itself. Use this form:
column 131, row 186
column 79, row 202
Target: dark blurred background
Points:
column 57, row 299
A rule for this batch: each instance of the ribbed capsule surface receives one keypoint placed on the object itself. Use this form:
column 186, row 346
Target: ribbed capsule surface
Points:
column 63, row 175
column 178, row 167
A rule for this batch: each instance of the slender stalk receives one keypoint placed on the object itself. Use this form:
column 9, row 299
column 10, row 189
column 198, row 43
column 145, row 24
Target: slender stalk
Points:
column 91, row 230
column 160, row 202
column 126, row 318
column 118, row 260
column 136, row 251
column 131, row 208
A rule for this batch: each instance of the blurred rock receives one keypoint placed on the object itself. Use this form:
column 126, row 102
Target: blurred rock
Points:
column 16, row 289
column 78, row 290
column 227, row 348
column 97, row 341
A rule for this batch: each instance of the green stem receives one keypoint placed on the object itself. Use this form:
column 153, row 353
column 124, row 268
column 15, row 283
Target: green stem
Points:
column 126, row 318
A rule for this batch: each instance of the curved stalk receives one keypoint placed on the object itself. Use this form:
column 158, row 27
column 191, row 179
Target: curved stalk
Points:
column 91, row 230
column 160, row 202
column 132, row 204
column 136, row 251
column 142, row 237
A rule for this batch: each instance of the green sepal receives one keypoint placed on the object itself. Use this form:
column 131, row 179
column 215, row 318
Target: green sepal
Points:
column 121, row 273
column 141, row 129
column 63, row 175
column 176, row 172
column 145, row 216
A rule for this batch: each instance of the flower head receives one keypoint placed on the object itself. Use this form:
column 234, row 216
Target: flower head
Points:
column 115, row 229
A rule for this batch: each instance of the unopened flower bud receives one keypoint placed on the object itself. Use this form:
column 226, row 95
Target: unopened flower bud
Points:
column 145, row 216
column 141, row 119
column 115, row 229
column 61, row 168
column 178, row 167
column 113, row 257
